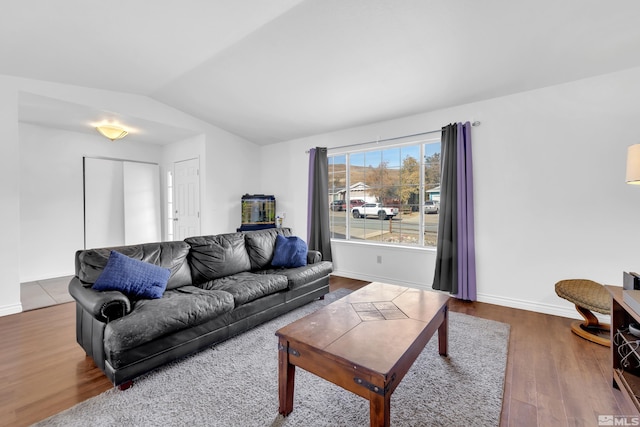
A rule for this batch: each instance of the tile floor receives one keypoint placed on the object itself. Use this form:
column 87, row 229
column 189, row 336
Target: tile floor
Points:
column 43, row 293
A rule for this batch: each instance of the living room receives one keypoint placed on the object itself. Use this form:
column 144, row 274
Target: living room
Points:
column 549, row 155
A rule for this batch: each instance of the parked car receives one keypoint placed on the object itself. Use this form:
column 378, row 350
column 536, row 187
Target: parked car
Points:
column 337, row 205
column 355, row 203
column 431, row 206
column 341, row 205
column 374, row 209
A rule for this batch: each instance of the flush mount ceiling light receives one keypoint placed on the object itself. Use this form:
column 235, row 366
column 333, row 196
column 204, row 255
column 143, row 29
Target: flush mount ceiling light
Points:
column 112, row 132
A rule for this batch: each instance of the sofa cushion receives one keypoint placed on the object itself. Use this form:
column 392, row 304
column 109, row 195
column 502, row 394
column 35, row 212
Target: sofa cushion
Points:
column 289, row 252
column 178, row 309
column 246, row 287
column 301, row 275
column 136, row 279
column 260, row 245
column 171, row 255
column 212, row 257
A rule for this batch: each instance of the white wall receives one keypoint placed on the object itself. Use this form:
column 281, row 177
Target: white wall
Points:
column 285, row 173
column 233, row 167
column 10, row 194
column 551, row 202
column 51, row 196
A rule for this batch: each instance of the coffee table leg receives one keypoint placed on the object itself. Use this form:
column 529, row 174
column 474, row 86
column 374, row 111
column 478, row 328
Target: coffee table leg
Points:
column 380, row 410
column 443, row 333
column 286, row 375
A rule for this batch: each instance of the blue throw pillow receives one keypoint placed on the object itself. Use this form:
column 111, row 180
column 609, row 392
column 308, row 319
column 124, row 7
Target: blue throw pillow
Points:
column 133, row 278
column 289, row 252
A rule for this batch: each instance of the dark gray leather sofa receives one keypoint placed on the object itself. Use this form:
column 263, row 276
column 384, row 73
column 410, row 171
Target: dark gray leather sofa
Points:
column 219, row 286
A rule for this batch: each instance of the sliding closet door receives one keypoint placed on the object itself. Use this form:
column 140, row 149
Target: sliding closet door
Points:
column 103, row 203
column 141, row 203
column 122, row 203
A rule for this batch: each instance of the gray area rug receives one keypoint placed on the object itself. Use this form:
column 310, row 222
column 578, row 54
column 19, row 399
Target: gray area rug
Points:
column 236, row 384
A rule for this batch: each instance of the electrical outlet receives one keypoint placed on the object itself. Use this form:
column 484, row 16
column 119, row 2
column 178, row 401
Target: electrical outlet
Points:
column 379, row 259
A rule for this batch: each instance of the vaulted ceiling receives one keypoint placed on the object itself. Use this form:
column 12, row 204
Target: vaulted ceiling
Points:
column 275, row 70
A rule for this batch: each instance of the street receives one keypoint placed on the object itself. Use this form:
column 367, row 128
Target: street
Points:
column 401, row 229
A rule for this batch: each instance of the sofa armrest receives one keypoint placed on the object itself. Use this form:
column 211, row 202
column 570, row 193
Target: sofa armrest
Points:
column 313, row 257
column 105, row 306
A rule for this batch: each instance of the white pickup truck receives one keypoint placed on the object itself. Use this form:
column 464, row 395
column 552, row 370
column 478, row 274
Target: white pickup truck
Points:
column 374, row 209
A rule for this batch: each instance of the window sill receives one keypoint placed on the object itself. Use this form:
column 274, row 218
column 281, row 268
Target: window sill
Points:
column 385, row 245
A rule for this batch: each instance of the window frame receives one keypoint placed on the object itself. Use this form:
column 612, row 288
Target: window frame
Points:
column 421, row 143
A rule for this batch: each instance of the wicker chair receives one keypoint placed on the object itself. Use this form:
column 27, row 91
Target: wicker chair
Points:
column 588, row 296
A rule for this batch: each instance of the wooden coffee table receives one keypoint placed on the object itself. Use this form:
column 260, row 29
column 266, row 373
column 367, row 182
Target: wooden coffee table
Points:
column 365, row 343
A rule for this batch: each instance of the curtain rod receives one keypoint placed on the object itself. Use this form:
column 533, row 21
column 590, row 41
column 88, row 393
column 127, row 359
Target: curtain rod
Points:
column 476, row 123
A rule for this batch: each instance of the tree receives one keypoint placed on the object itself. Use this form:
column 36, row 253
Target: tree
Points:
column 409, row 179
column 432, row 171
column 381, row 182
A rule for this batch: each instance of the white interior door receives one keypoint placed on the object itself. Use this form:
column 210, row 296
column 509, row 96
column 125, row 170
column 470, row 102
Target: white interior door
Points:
column 187, row 199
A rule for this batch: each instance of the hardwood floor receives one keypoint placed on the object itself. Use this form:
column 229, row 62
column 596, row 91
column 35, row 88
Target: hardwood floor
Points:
column 553, row 377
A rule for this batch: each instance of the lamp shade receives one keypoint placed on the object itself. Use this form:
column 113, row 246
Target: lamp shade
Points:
column 112, row 132
column 633, row 164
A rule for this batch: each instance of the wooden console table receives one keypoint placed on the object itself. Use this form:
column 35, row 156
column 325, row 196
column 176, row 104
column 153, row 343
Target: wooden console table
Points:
column 626, row 363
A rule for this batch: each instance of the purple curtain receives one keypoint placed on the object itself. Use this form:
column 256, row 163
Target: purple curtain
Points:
column 318, row 233
column 466, row 228
column 455, row 257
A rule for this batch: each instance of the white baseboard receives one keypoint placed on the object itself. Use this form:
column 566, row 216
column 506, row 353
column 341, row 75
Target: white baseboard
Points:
column 36, row 278
column 369, row 278
column 6, row 310
column 552, row 309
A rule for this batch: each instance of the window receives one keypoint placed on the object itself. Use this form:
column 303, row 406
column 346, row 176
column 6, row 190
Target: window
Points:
column 389, row 195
